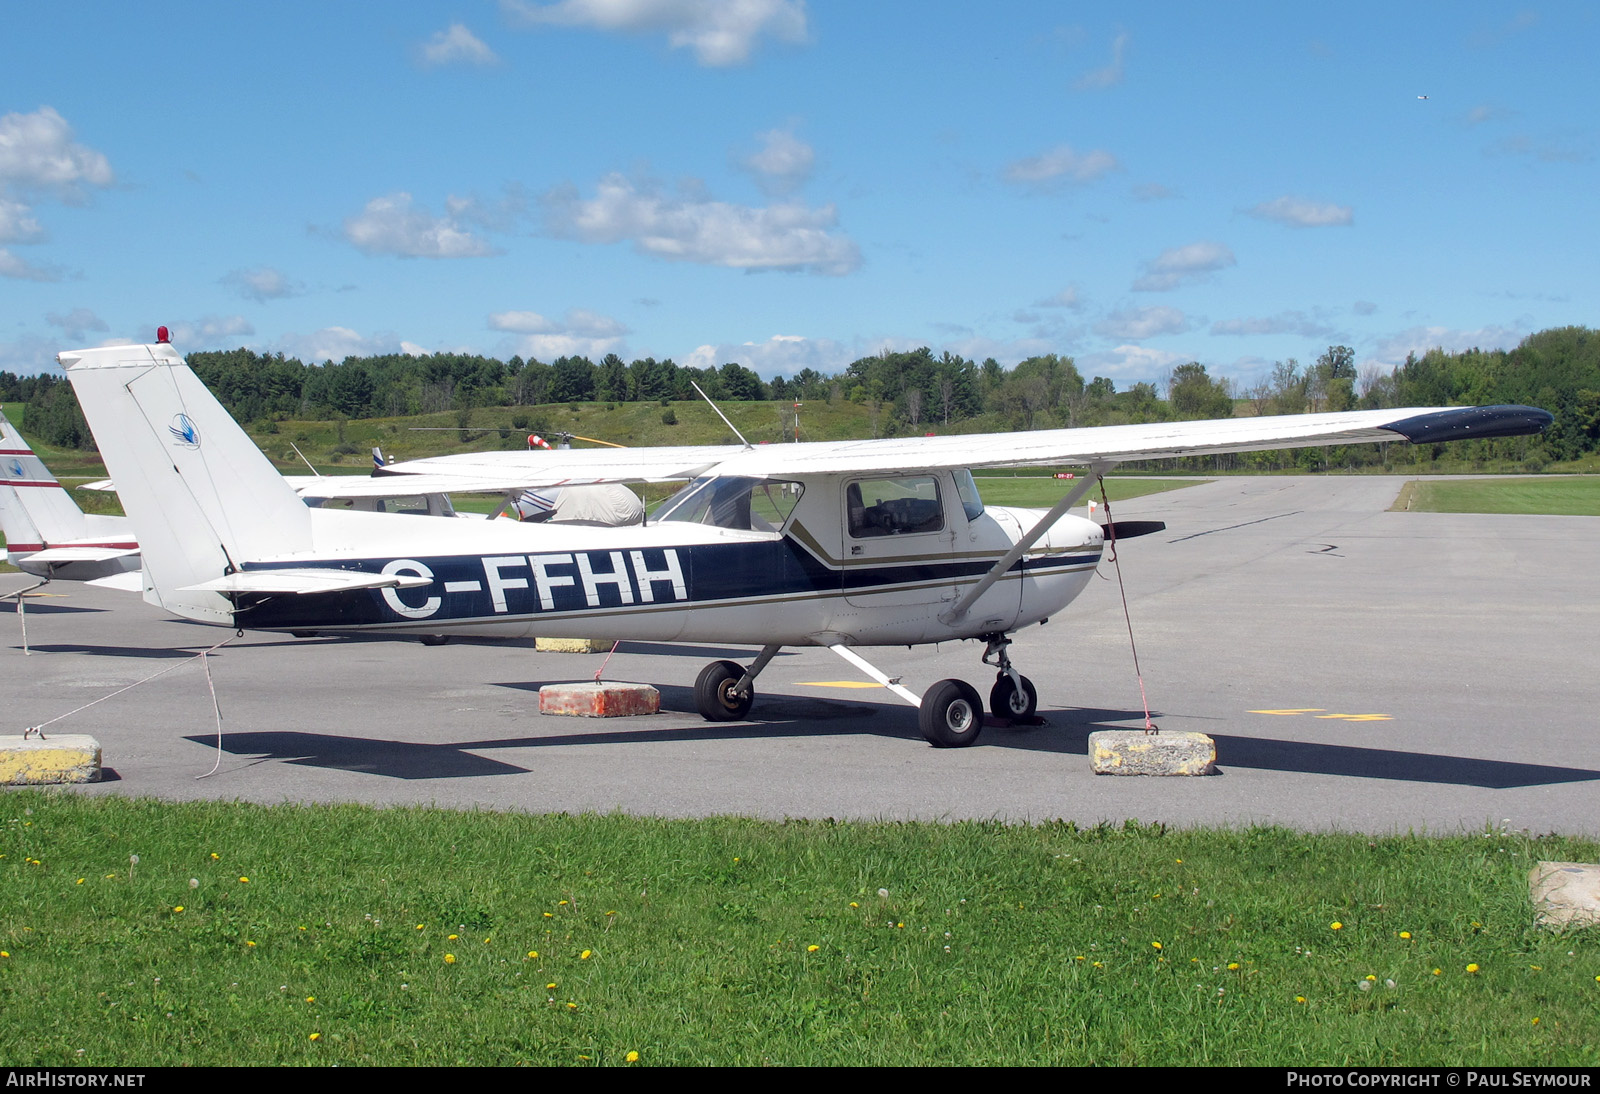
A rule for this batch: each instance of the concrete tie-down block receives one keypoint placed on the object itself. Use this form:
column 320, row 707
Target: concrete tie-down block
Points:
column 1565, row 894
column 1135, row 752
column 573, row 645
column 599, row 699
column 66, row 758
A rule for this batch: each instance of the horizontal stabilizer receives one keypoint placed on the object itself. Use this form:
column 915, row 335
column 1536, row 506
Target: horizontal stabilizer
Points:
column 306, row 581
column 81, row 554
column 129, row 581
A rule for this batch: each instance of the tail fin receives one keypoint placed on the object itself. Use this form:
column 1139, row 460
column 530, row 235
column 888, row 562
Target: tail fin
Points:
column 201, row 496
column 35, row 510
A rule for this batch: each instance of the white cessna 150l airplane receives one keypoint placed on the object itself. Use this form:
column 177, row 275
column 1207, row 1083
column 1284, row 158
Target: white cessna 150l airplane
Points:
column 839, row 544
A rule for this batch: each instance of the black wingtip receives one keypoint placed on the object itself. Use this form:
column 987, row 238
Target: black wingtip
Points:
column 1472, row 421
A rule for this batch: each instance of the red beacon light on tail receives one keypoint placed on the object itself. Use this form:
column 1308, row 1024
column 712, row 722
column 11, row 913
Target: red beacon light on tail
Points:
column 162, row 336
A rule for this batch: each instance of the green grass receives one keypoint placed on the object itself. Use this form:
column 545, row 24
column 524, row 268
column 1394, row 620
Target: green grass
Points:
column 728, row 941
column 1563, row 496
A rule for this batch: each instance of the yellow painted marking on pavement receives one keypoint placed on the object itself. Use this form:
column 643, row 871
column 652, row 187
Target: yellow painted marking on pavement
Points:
column 1359, row 717
column 1301, row 710
column 838, row 684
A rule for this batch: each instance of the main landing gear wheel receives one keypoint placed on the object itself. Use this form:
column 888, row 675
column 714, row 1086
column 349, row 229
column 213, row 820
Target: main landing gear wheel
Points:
column 1005, row 701
column 951, row 714
column 714, row 693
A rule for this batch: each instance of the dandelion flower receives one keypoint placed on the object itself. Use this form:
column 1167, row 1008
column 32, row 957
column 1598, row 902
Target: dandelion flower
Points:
column 1405, row 936
column 572, row 1006
column 178, row 908
column 7, row 953
column 1436, row 972
column 311, row 998
column 244, row 881
column 214, row 855
column 194, row 883
column 1299, row 999
column 549, row 987
column 883, row 894
column 1472, row 968
column 853, row 904
column 1156, row 945
column 585, row 955
column 1536, row 1021
column 249, row 943
column 812, row 949
column 454, row 937
column 1336, row 926
column 1233, row 966
column 533, row 955
column 560, row 902
column 633, row 1057
column 1364, row 985
column 449, row 959
column 1374, row 979
column 80, row 881
column 315, row 1037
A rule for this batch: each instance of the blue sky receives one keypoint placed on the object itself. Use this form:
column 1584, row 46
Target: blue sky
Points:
column 790, row 184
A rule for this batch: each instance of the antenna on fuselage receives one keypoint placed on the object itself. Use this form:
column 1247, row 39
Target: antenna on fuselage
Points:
column 721, row 415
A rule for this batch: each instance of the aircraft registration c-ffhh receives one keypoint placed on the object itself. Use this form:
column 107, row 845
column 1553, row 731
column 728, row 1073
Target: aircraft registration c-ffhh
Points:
column 839, row 543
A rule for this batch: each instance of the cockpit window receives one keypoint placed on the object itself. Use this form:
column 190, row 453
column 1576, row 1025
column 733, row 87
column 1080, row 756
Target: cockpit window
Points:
column 893, row 507
column 744, row 504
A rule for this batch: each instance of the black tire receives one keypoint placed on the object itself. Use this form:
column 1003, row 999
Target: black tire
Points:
column 434, row 639
column 714, row 696
column 951, row 714
column 1004, row 702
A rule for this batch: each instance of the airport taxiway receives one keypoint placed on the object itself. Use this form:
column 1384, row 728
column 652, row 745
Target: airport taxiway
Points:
column 1360, row 669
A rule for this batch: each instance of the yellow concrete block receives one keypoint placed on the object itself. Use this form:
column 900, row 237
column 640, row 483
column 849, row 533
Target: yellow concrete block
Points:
column 68, row 758
column 573, row 645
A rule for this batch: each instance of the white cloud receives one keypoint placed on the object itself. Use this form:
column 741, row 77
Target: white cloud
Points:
column 37, row 153
column 262, row 284
column 693, row 228
column 1285, row 322
column 1419, row 340
column 779, row 355
column 209, row 331
column 390, row 225
column 1061, row 164
column 1301, row 213
column 580, row 332
column 1137, row 324
column 1112, row 73
column 337, row 343
column 76, row 322
column 17, row 224
column 721, row 32
column 783, row 162
column 1070, row 298
column 1129, row 363
column 1184, row 265
column 577, row 321
column 457, row 45
column 12, row 266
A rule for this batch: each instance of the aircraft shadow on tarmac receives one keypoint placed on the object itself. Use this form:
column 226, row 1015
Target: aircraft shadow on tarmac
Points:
column 113, row 651
column 1064, row 732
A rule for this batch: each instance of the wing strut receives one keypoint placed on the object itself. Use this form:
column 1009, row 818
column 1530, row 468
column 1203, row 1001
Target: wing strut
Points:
column 1097, row 471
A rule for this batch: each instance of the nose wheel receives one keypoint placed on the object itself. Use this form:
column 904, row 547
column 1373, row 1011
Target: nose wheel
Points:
column 1013, row 703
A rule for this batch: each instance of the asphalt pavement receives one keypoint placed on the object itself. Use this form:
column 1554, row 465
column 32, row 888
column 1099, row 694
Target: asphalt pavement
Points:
column 1360, row 670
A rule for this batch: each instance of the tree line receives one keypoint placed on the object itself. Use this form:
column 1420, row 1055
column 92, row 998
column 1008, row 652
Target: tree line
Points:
column 911, row 391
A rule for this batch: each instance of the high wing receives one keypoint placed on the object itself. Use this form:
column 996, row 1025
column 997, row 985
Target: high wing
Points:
column 1100, row 445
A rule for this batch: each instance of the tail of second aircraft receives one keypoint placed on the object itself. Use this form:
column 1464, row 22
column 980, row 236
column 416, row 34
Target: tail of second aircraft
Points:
column 201, row 496
column 35, row 509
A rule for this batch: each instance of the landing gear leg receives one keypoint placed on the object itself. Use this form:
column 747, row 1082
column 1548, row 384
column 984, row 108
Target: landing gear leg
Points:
column 1013, row 696
column 724, row 691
